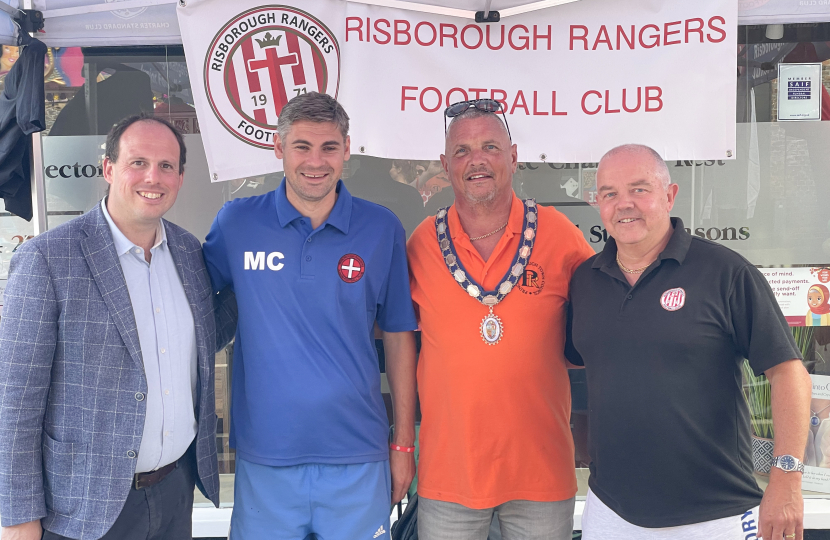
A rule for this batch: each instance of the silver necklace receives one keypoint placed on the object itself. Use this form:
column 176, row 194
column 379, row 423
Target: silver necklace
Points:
column 488, row 234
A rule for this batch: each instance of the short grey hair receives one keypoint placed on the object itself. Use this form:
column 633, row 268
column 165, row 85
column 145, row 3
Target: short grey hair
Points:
column 660, row 170
column 312, row 107
column 472, row 113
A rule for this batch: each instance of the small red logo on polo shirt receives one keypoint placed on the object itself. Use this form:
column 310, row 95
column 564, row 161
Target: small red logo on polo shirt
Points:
column 673, row 299
column 350, row 268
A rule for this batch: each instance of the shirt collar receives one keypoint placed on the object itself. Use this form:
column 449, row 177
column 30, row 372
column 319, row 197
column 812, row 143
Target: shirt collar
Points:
column 121, row 242
column 339, row 217
column 515, row 220
column 676, row 249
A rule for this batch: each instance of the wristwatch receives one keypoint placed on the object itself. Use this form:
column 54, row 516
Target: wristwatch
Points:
column 788, row 463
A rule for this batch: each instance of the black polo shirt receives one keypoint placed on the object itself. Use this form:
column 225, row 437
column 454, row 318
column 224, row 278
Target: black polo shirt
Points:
column 669, row 432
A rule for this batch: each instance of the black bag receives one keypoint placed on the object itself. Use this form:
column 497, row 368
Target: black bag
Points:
column 406, row 527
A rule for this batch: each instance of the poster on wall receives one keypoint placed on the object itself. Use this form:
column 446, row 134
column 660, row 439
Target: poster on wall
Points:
column 575, row 80
column 799, row 91
column 817, row 453
column 802, row 293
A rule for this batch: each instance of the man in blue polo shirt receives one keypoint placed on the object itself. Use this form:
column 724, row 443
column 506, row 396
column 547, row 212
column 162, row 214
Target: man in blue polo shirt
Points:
column 313, row 269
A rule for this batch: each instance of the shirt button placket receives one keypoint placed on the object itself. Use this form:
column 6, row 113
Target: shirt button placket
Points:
column 305, row 262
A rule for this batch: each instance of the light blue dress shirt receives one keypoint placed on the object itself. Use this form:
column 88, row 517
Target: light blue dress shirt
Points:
column 167, row 337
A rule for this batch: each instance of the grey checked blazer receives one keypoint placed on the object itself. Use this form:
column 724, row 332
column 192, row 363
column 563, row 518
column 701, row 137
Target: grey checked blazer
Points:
column 70, row 369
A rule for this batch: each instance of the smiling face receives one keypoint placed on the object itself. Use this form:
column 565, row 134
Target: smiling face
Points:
column 634, row 203
column 814, row 297
column 479, row 159
column 145, row 179
column 312, row 155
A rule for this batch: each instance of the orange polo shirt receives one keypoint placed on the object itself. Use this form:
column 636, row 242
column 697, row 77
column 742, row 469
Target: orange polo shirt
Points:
column 496, row 418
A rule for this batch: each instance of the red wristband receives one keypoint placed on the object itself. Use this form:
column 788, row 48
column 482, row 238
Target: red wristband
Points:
column 407, row 449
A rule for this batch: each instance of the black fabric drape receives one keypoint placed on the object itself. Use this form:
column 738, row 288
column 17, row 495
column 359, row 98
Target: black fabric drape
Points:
column 22, row 112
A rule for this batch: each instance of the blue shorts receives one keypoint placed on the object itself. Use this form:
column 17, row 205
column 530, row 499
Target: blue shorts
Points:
column 330, row 502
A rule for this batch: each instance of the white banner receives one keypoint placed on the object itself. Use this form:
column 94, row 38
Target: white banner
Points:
column 576, row 79
column 783, row 11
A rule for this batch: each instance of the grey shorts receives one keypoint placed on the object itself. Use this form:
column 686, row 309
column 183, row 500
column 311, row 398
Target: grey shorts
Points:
column 519, row 520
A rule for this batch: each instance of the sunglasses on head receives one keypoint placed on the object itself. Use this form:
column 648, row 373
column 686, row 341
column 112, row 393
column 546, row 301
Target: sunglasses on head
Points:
column 486, row 105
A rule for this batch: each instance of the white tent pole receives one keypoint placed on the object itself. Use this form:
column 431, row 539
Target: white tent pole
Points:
column 533, row 6
column 9, row 9
column 487, row 8
column 398, row 4
column 424, row 8
column 463, row 13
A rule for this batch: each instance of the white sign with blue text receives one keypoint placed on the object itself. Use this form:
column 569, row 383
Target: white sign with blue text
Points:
column 799, row 91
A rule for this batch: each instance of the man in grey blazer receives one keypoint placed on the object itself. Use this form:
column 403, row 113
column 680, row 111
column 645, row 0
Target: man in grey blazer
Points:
column 107, row 346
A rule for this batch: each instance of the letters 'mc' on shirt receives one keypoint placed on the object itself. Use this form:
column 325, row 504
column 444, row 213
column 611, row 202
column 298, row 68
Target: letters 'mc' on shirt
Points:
column 258, row 260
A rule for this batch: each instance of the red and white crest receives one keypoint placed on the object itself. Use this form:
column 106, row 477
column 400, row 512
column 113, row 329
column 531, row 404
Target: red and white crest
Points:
column 351, row 268
column 261, row 59
column 673, row 299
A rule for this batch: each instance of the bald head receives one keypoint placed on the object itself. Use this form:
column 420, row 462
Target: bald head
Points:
column 656, row 164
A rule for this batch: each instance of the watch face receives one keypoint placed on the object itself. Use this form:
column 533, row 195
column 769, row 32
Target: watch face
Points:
column 787, row 463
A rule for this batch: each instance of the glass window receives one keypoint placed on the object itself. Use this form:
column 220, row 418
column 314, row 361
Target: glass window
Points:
column 13, row 232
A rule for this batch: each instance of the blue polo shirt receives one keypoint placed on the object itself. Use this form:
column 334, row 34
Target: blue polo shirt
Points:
column 306, row 383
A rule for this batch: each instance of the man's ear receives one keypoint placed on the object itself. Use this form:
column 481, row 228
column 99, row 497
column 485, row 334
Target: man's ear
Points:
column 672, row 194
column 278, row 149
column 347, row 148
column 106, row 167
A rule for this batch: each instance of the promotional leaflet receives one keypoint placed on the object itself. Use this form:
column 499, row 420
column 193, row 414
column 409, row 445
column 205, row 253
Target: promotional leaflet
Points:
column 817, row 453
column 802, row 293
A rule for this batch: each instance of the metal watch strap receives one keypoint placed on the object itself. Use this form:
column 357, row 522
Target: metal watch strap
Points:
column 799, row 466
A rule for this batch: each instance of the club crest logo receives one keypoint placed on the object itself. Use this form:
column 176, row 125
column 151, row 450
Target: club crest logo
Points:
column 126, row 13
column 673, row 299
column 351, row 268
column 532, row 280
column 261, row 59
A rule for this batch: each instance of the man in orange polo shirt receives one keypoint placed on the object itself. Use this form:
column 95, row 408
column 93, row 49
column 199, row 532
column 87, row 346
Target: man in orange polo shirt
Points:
column 489, row 281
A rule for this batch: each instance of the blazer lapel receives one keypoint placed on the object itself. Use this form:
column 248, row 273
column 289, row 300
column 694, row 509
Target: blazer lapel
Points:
column 178, row 252
column 102, row 259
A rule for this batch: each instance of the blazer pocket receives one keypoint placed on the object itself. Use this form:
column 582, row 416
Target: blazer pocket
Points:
column 64, row 465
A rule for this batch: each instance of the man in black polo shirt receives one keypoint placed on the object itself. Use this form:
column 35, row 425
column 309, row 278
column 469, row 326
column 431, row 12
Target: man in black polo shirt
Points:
column 662, row 321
